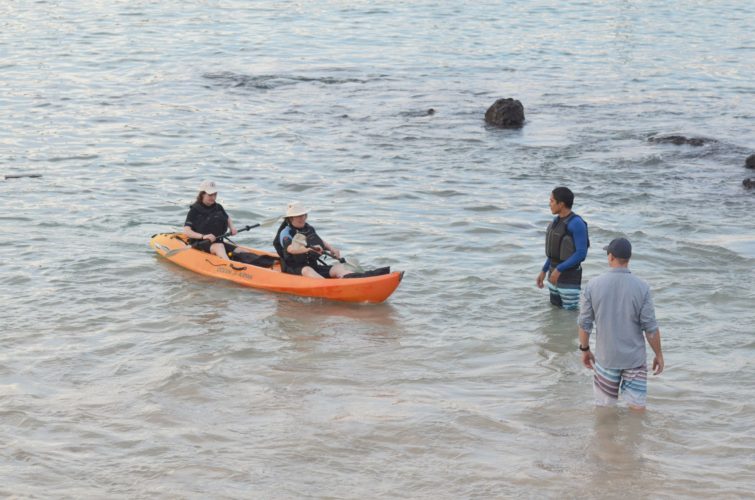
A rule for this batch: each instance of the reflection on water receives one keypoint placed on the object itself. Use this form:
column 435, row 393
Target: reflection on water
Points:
column 558, row 331
column 301, row 320
column 615, row 453
column 382, row 315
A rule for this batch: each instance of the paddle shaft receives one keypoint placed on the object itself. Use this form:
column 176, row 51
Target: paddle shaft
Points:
column 221, row 237
column 342, row 260
column 228, row 233
column 330, row 254
column 217, row 240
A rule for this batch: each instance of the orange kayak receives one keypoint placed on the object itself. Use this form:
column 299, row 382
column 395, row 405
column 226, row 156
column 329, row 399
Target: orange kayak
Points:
column 370, row 289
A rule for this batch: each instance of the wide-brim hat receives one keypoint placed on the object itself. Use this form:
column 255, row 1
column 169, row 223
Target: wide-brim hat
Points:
column 208, row 187
column 295, row 209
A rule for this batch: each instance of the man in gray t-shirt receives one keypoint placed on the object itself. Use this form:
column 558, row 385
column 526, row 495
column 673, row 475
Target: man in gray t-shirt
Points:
column 620, row 307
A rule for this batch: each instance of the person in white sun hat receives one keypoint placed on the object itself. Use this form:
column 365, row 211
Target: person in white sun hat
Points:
column 299, row 247
column 207, row 220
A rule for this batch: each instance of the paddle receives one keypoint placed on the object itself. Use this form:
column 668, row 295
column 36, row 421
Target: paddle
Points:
column 301, row 240
column 264, row 223
column 352, row 263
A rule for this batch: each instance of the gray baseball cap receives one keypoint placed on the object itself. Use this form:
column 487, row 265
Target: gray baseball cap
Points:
column 619, row 248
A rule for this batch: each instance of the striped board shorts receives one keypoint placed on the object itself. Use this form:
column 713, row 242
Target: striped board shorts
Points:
column 566, row 298
column 632, row 383
column 566, row 292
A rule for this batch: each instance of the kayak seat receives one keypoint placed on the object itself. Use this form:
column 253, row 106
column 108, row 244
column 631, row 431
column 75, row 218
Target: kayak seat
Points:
column 253, row 259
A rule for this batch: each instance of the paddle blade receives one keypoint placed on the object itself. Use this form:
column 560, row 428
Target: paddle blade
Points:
column 173, row 252
column 271, row 221
column 353, row 264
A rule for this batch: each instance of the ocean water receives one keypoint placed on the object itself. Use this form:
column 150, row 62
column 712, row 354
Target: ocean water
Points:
column 124, row 376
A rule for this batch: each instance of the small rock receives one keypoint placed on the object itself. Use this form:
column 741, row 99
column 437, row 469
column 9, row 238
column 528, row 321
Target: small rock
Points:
column 507, row 113
column 750, row 161
column 20, row 176
column 749, row 183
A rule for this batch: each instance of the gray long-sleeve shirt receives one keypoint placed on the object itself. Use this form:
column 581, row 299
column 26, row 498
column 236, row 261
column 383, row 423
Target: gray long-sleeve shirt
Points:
column 621, row 308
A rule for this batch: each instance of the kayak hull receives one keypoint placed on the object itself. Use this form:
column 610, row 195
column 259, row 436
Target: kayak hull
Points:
column 372, row 289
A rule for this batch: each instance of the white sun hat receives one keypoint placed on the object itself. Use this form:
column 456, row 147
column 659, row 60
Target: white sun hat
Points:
column 208, row 187
column 295, row 209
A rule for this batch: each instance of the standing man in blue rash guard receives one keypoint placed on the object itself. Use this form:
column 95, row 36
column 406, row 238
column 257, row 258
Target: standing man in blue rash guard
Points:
column 566, row 243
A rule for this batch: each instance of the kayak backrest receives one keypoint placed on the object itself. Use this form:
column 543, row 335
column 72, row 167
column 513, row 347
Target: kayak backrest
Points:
column 278, row 246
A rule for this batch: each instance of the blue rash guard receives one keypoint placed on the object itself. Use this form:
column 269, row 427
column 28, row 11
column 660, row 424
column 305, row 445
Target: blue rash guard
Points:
column 577, row 228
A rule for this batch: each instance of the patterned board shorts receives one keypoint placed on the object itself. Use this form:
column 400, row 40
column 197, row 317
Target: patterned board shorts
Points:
column 566, row 292
column 631, row 383
column 566, row 298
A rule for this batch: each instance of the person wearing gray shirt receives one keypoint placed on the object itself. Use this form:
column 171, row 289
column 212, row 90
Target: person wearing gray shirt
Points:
column 619, row 306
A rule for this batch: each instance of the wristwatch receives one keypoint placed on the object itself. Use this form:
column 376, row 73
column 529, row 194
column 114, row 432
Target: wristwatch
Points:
column 584, row 348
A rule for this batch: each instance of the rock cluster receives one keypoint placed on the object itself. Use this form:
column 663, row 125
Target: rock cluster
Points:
column 749, row 163
column 680, row 140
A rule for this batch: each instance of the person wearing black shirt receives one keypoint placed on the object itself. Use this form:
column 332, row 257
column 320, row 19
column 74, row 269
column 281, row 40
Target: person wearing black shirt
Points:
column 207, row 220
column 300, row 247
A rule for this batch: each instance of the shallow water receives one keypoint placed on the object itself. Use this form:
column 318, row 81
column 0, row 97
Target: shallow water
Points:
column 122, row 375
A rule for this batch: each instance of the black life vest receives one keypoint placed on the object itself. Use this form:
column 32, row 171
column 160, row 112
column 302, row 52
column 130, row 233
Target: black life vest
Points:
column 299, row 260
column 559, row 244
column 205, row 220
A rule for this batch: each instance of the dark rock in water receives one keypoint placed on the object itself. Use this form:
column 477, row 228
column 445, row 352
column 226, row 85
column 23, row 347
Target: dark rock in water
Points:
column 507, row 113
column 750, row 161
column 749, row 183
column 680, row 140
column 21, row 176
column 416, row 113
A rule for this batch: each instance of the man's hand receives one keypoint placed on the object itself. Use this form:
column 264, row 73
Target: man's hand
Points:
column 554, row 277
column 540, row 280
column 588, row 359
column 657, row 365
column 654, row 339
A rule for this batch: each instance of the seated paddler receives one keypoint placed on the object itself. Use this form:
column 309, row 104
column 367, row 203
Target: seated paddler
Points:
column 301, row 248
column 207, row 220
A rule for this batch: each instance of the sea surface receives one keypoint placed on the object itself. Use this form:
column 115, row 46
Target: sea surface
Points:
column 125, row 376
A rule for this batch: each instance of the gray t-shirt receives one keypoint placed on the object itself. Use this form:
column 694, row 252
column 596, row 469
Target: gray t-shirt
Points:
column 621, row 308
